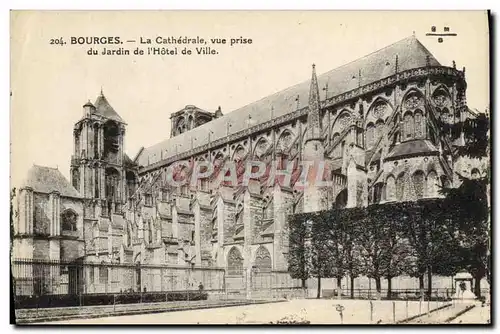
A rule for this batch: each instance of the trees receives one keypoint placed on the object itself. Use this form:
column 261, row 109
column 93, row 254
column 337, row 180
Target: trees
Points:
column 470, row 201
column 433, row 236
column 297, row 248
column 469, row 205
column 320, row 249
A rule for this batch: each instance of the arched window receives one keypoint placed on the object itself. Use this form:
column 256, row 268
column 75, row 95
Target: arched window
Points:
column 96, row 183
column 390, row 190
column 408, row 126
column 341, row 200
column 68, row 220
column 419, row 124
column 75, row 176
column 234, row 262
column 418, row 183
column 432, row 184
column 284, row 141
column 112, row 179
column 377, row 192
column 370, row 135
column 96, row 140
column 400, row 187
column 379, row 130
column 263, row 261
column 111, row 140
column 475, row 173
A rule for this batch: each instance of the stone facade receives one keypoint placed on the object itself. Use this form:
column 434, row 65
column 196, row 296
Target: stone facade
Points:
column 373, row 121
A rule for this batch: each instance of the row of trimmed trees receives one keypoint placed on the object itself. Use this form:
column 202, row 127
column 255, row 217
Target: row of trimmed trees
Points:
column 432, row 236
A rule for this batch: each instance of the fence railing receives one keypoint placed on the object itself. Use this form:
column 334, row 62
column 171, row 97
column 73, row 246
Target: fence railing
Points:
column 51, row 283
column 37, row 277
column 396, row 294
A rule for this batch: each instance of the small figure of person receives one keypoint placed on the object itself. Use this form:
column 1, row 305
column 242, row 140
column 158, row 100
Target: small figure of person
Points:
column 200, row 287
column 462, row 287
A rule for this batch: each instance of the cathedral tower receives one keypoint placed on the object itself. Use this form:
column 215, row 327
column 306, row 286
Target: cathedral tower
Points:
column 97, row 164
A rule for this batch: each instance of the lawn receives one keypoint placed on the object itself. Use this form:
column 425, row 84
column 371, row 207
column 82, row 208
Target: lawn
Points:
column 315, row 311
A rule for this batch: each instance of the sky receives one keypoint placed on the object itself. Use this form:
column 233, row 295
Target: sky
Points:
column 50, row 83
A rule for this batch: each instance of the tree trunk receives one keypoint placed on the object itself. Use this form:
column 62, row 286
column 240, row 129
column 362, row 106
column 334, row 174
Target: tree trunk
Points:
column 378, row 286
column 421, row 285
column 352, row 287
column 477, row 285
column 303, row 283
column 429, row 282
column 318, row 296
column 389, row 287
column 339, row 287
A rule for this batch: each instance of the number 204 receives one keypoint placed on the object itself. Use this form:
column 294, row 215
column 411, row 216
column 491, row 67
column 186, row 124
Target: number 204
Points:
column 57, row 41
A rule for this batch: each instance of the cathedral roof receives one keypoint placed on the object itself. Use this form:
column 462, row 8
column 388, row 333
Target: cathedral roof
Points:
column 103, row 108
column 373, row 67
column 411, row 148
column 46, row 180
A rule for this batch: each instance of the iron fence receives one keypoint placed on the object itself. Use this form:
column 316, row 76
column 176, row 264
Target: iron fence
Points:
column 42, row 277
column 396, row 294
column 50, row 283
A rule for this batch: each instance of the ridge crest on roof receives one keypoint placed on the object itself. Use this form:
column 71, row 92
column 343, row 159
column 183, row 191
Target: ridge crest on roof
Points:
column 373, row 67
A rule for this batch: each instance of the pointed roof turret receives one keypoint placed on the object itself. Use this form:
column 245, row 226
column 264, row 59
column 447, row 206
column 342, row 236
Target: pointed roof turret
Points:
column 104, row 109
column 313, row 118
column 88, row 104
column 314, row 91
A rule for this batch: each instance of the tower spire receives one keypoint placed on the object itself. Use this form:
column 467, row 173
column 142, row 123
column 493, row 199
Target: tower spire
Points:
column 313, row 118
column 102, row 94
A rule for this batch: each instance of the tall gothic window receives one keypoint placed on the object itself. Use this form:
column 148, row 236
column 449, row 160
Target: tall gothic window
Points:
column 76, row 179
column 400, row 187
column 77, row 144
column 408, row 125
column 263, row 261
column 419, row 124
column 341, row 200
column 377, row 192
column 234, row 262
column 370, row 135
column 432, row 184
column 68, row 220
column 418, row 183
column 391, row 188
column 112, row 184
column 96, row 141
column 379, row 130
column 111, row 140
column 96, row 183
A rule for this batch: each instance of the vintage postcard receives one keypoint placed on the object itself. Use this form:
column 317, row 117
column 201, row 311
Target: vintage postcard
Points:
column 250, row 167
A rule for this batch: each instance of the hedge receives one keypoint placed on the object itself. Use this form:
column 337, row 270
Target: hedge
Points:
column 105, row 299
